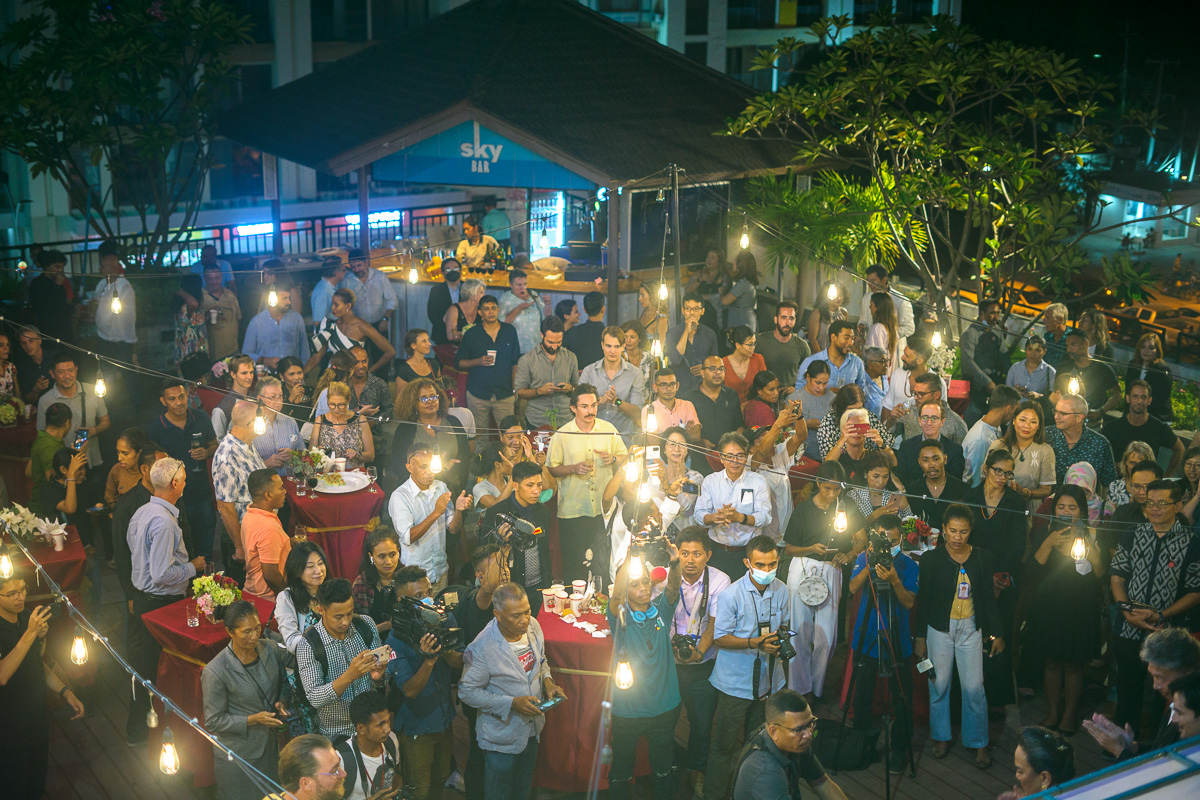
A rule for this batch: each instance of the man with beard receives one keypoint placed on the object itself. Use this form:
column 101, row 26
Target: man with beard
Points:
column 781, row 349
column 545, row 377
column 902, row 383
column 311, row 769
column 780, row 754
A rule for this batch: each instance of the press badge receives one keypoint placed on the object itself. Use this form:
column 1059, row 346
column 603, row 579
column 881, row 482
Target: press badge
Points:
column 764, row 629
column 747, row 497
column 964, row 590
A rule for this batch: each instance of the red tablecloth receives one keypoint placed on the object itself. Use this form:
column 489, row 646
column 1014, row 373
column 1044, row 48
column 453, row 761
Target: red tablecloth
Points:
column 960, row 395
column 580, row 665
column 15, row 441
column 185, row 652
column 66, row 567
column 349, row 511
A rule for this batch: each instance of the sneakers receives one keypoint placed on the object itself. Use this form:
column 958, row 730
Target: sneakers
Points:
column 456, row 782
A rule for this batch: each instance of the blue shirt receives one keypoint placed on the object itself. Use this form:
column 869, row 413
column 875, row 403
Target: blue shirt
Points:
column 495, row 381
column 744, row 613
column 371, row 297
column 226, row 270
column 875, row 395
column 655, row 688
column 321, row 300
column 159, row 559
column 864, row 640
column 266, row 338
column 852, row 370
column 432, row 710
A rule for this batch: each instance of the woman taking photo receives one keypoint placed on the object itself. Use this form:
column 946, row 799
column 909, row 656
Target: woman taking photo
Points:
column 875, row 499
column 826, row 311
column 1033, row 460
column 1148, row 365
column 762, row 407
column 465, row 312
column 884, row 332
column 494, row 471
column 1043, row 758
column 346, row 331
column 296, row 606
column 424, row 403
column 297, row 400
column 1118, row 490
column 245, row 693
column 374, row 589
column 1063, row 625
column 652, row 313
column 815, row 401
column 418, row 362
column 741, row 300
column 830, row 429
column 956, row 616
column 743, row 363
column 343, row 430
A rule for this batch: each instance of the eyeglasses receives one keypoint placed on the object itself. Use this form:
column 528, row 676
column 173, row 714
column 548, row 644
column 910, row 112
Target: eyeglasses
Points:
column 1058, row 413
column 692, row 308
column 15, row 592
column 429, row 398
column 800, row 730
column 339, row 405
column 665, row 385
column 1008, row 473
column 270, row 396
column 1191, row 465
column 714, row 369
column 929, row 418
column 1159, row 503
column 918, row 394
column 733, row 456
column 334, row 774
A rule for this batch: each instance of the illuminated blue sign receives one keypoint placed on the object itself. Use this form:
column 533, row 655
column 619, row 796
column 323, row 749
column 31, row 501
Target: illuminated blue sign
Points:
column 471, row 155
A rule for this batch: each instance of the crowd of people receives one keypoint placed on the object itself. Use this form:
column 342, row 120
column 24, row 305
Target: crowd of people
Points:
column 1039, row 540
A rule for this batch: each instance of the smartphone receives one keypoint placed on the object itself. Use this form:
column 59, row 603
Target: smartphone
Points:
column 1130, row 605
column 860, row 427
column 652, row 452
column 81, row 437
column 690, row 488
column 546, row 705
column 284, row 716
column 383, row 654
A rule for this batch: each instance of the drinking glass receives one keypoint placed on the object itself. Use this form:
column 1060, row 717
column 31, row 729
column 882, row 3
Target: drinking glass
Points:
column 373, row 473
column 193, row 615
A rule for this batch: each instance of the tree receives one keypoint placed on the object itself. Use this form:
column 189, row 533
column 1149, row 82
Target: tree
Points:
column 132, row 86
column 973, row 153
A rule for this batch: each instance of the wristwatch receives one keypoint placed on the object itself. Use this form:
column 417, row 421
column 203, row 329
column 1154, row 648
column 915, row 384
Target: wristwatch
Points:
column 618, row 401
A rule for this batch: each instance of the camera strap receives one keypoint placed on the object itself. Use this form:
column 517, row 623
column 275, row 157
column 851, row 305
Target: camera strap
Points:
column 697, row 614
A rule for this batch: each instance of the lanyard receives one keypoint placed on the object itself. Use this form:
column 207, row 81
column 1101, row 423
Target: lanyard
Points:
column 702, row 609
column 257, row 686
column 368, row 784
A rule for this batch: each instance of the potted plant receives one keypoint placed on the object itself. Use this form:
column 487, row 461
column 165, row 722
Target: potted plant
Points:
column 916, row 535
column 309, row 462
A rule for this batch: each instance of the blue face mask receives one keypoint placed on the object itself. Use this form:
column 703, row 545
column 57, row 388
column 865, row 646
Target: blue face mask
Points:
column 895, row 550
column 545, row 496
column 762, row 578
column 427, row 601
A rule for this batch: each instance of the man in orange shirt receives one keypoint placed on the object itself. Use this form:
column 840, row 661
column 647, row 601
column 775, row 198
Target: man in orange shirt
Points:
column 267, row 546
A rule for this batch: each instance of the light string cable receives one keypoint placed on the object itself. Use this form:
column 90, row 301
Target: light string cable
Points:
column 964, row 321
column 260, row 779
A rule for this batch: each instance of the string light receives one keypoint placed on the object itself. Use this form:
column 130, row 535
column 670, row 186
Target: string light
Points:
column 624, row 672
column 1079, row 549
column 936, row 339
column 635, row 569
column 661, row 196
column 168, row 760
column 101, row 388
column 662, row 291
column 116, row 303
column 6, row 566
column 839, row 522
column 79, row 653
column 435, row 464
column 644, row 493
column 412, row 275
column 22, row 265
column 651, row 422
column 260, row 422
column 544, row 241
column 1073, row 385
column 832, row 292
column 152, row 717
column 656, row 349
column 632, row 471
column 744, row 241
column 272, row 297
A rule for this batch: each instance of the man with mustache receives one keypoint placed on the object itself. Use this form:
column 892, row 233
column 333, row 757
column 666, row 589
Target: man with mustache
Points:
column 781, row 348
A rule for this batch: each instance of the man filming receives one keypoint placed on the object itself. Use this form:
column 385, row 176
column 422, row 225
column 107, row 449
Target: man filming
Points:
column 780, row 754
column 900, row 574
column 529, row 567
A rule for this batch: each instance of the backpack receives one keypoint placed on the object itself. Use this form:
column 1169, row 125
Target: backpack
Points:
column 345, row 749
column 313, row 636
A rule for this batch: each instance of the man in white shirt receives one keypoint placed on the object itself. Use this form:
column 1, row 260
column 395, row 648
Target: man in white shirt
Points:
column 371, row 758
column 621, row 387
column 374, row 297
column 902, row 389
column 877, row 279
column 734, row 505
column 87, row 410
column 422, row 513
column 522, row 308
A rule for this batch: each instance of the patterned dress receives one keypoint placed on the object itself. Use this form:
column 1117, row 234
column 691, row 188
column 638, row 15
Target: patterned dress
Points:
column 342, row 437
column 191, row 334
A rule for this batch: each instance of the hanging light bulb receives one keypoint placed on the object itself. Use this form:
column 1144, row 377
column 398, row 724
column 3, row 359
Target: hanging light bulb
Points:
column 656, row 348
column 116, row 303
column 624, row 673
column 152, row 717
column 1073, row 385
column 632, row 471
column 839, row 522
column 272, row 297
column 651, row 422
column 168, row 760
column 260, row 422
column 544, row 242
column 662, row 291
column 79, row 653
column 936, row 339
column 101, row 387
column 635, row 569
column 744, row 241
column 832, row 292
column 22, row 265
column 435, row 464
column 661, row 196
column 412, row 275
column 1079, row 549
column 644, row 493
column 6, row 567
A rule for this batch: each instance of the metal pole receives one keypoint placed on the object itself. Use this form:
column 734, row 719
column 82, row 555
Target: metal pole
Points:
column 675, row 221
column 364, row 211
column 614, row 251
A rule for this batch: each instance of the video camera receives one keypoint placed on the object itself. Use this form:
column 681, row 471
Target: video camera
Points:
column 651, row 545
column 879, row 551
column 412, row 619
column 523, row 535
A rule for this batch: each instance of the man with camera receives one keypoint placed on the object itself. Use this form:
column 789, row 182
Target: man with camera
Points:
column 521, row 521
column 650, row 706
column 423, row 512
column 890, row 578
column 371, row 757
column 423, row 672
column 337, row 658
column 779, row 755
column 506, row 676
column 753, row 642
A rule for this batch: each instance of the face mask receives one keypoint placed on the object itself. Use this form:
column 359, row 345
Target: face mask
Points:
column 545, row 496
column 895, row 550
column 427, row 601
column 763, row 578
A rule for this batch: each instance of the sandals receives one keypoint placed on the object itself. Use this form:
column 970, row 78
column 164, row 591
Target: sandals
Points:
column 983, row 758
column 940, row 749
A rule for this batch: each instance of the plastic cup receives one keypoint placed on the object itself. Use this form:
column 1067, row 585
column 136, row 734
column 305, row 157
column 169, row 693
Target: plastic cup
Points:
column 579, row 587
column 548, row 600
column 576, row 602
column 562, row 602
column 492, row 355
column 339, row 464
column 60, row 541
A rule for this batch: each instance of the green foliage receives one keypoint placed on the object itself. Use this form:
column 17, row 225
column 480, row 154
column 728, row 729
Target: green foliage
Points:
column 1186, row 405
column 132, row 86
column 972, row 151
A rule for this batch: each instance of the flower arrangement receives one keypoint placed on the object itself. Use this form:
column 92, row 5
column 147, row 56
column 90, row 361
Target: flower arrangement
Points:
column 942, row 360
column 12, row 410
column 915, row 534
column 214, row 593
column 21, row 522
column 307, row 462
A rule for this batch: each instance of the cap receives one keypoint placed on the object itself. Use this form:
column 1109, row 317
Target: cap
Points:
column 356, row 255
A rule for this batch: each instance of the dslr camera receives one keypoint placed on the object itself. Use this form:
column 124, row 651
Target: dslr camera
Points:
column 651, row 545
column 879, row 551
column 787, row 650
column 412, row 619
column 684, row 645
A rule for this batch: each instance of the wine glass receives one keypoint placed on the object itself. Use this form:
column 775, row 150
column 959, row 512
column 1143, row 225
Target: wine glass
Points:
column 373, row 473
column 311, row 482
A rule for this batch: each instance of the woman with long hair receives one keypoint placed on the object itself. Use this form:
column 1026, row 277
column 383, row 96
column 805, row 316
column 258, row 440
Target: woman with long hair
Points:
column 830, row 430
column 305, row 569
column 1063, row 624
column 8, row 368
column 465, row 312
column 652, row 313
column 343, row 431
column 762, row 405
column 1118, row 491
column 1095, row 325
column 636, row 353
column 422, row 410
column 741, row 299
column 826, row 311
column 418, row 361
column 297, row 399
column 494, row 471
column 568, row 311
column 884, row 332
column 1191, row 481
column 1033, row 469
column 348, row 330
column 743, row 363
column 1148, row 365
column 340, row 368
column 815, row 400
column 374, row 589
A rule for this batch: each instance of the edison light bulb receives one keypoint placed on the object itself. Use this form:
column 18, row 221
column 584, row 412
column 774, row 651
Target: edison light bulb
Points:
column 624, row 675
column 644, row 493
column 101, row 388
column 116, row 304
column 651, row 423
column 79, row 654
column 544, row 242
column 260, row 423
column 1073, row 385
column 272, row 297
column 656, row 349
column 168, row 760
column 744, row 241
column 632, row 471
column 412, row 275
column 662, row 291
column 152, row 718
column 832, row 292
column 635, row 569
column 839, row 522
column 936, row 339
column 435, row 464
column 6, row 567
column 1079, row 549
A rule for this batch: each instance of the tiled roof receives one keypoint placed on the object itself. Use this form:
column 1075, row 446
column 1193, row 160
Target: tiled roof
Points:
column 590, row 90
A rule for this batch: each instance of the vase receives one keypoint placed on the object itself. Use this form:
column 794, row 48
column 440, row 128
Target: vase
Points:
column 208, row 615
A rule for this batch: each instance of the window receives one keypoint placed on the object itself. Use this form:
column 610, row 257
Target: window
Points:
column 339, row 20
column 696, row 51
column 738, row 61
column 262, row 29
column 696, row 22
column 751, row 14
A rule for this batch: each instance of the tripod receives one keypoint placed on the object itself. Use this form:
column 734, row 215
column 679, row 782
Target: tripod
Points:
column 879, row 592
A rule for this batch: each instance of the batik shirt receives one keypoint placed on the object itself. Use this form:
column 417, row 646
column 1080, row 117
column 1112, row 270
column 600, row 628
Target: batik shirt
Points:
column 1158, row 570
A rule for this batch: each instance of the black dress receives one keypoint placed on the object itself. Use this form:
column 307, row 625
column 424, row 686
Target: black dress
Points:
column 406, row 373
column 1064, row 618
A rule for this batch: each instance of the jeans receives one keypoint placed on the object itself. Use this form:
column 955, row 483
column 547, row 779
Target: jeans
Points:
column 961, row 647
column 737, row 717
column 660, row 740
column 700, row 701
column 484, row 410
column 426, row 762
column 202, row 518
column 510, row 775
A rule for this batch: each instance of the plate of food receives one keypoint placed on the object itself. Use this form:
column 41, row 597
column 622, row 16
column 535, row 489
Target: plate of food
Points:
column 342, row 482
